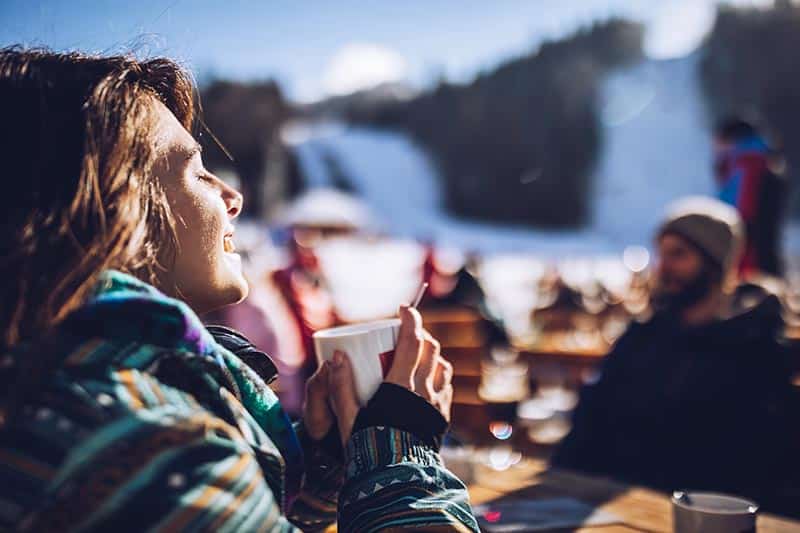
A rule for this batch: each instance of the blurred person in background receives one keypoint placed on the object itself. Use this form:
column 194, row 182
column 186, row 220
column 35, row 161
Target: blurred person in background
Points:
column 119, row 410
column 749, row 177
column 305, row 294
column 698, row 396
column 302, row 285
column 310, row 219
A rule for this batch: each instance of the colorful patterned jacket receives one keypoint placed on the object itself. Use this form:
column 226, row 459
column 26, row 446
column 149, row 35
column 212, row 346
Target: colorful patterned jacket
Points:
column 143, row 422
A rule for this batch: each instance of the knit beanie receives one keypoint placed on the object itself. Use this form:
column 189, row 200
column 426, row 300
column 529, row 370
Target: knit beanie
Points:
column 711, row 225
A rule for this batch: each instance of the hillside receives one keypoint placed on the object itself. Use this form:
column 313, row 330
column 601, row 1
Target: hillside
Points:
column 518, row 144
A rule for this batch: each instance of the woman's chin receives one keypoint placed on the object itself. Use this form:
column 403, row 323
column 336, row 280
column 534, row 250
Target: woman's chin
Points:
column 238, row 286
column 242, row 290
column 229, row 293
column 232, row 286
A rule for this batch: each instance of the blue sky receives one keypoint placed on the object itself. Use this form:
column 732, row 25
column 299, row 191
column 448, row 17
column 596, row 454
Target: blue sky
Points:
column 314, row 47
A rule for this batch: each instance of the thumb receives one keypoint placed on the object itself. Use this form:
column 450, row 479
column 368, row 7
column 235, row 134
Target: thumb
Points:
column 409, row 348
column 317, row 385
column 423, row 377
column 343, row 393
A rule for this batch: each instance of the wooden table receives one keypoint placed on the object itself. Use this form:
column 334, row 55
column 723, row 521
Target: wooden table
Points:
column 557, row 347
column 639, row 509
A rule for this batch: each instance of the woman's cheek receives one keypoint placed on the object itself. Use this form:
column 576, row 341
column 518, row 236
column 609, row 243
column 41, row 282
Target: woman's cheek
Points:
column 213, row 224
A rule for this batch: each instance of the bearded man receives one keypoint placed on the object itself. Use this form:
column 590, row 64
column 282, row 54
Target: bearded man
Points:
column 698, row 396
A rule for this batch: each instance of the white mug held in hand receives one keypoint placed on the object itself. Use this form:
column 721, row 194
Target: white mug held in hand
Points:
column 370, row 347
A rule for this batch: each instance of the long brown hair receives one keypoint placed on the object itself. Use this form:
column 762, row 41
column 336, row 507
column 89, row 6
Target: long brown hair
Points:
column 76, row 140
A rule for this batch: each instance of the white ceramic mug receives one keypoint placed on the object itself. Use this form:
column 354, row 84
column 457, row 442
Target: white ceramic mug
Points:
column 370, row 347
column 709, row 512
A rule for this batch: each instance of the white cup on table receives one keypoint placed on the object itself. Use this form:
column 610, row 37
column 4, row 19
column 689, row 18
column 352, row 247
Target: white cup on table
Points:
column 710, row 512
column 370, row 347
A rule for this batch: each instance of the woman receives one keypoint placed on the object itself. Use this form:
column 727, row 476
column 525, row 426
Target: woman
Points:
column 119, row 409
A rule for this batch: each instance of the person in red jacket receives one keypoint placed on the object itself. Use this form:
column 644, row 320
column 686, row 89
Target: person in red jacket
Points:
column 748, row 177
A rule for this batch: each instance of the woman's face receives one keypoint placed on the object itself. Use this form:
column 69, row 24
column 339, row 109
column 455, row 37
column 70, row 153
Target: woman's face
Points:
column 207, row 273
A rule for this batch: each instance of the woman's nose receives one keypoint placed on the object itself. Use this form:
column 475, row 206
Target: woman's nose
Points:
column 233, row 200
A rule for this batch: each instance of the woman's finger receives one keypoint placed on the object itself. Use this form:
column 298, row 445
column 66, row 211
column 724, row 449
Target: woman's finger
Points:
column 408, row 350
column 317, row 416
column 445, row 401
column 443, row 375
column 423, row 377
column 317, row 384
column 343, row 393
column 342, row 383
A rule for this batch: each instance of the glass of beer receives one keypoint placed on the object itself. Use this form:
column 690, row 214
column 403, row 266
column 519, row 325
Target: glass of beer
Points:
column 504, row 383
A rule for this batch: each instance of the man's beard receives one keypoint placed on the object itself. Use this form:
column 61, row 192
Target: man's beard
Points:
column 691, row 293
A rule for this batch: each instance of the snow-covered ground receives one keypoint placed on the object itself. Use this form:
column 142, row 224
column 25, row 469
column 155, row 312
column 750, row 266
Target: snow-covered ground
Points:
column 656, row 150
column 656, row 147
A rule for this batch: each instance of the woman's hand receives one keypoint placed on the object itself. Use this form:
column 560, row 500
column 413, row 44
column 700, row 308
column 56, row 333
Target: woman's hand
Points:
column 331, row 397
column 434, row 377
column 317, row 415
column 418, row 364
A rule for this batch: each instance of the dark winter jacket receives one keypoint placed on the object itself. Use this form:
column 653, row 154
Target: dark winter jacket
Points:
column 706, row 407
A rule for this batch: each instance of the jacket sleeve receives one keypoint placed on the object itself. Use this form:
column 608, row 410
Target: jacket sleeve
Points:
column 315, row 507
column 395, row 481
column 750, row 172
column 162, row 471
